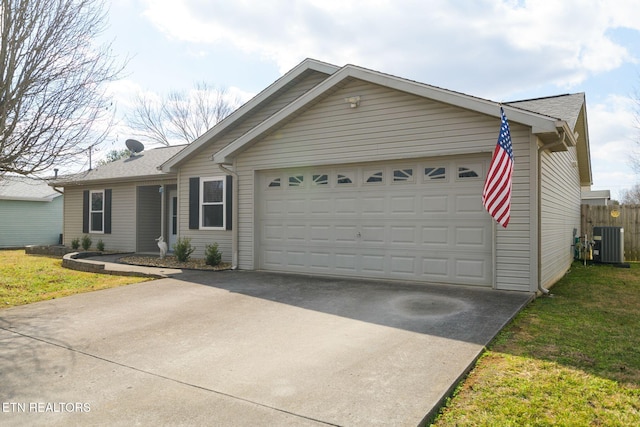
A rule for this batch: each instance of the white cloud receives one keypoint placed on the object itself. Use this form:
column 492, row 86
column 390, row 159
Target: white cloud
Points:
column 436, row 41
column 614, row 140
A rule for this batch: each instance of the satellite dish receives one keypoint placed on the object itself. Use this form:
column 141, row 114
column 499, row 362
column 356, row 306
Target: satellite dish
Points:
column 134, row 146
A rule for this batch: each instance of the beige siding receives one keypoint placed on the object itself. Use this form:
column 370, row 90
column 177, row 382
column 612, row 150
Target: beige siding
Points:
column 390, row 125
column 513, row 244
column 560, row 212
column 123, row 214
column 201, row 165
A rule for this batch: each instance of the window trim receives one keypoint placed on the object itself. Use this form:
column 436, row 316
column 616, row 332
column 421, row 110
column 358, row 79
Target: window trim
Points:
column 91, row 212
column 223, row 203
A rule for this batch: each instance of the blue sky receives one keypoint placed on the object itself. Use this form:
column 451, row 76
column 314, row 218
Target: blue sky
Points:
column 500, row 50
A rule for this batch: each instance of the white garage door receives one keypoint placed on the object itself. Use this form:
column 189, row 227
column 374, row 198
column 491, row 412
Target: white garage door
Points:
column 412, row 220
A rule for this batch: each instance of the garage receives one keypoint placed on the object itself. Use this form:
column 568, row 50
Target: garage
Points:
column 419, row 220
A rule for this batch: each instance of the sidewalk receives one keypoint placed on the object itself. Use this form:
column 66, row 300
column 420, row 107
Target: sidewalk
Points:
column 108, row 264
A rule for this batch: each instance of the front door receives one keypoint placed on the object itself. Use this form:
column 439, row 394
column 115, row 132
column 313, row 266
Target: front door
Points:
column 173, row 218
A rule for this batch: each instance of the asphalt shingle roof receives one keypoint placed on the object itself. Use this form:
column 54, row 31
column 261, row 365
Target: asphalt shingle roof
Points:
column 564, row 107
column 144, row 164
column 23, row 188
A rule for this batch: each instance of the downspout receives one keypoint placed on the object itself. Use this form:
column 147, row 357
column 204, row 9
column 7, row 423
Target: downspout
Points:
column 541, row 288
column 234, row 214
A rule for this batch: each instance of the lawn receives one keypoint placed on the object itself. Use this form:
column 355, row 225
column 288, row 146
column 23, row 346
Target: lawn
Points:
column 30, row 278
column 571, row 359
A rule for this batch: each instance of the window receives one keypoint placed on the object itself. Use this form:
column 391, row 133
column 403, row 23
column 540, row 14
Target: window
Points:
column 212, row 202
column 465, row 172
column 321, row 179
column 374, row 177
column 96, row 212
column 403, row 175
column 275, row 183
column 344, row 179
column 435, row 173
column 296, row 181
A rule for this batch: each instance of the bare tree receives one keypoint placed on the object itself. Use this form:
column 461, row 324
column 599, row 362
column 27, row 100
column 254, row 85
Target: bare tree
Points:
column 52, row 82
column 182, row 115
column 631, row 196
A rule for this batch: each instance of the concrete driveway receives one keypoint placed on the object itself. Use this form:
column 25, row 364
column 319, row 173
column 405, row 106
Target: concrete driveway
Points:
column 244, row 348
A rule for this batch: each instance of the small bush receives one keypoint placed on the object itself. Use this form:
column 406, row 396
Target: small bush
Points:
column 183, row 249
column 75, row 244
column 86, row 242
column 212, row 255
column 100, row 245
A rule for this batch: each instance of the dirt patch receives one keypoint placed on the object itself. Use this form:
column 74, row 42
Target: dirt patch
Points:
column 172, row 262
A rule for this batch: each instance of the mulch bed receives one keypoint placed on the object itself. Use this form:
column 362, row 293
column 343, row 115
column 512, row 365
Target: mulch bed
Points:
column 172, row 262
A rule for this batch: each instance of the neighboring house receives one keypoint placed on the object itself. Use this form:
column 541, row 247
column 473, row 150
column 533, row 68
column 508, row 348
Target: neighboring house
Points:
column 30, row 212
column 595, row 197
column 346, row 171
column 127, row 203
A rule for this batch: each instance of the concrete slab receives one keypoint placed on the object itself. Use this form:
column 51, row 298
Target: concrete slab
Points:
column 244, row 348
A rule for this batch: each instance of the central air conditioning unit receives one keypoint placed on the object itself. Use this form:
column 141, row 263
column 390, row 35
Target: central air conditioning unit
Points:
column 608, row 245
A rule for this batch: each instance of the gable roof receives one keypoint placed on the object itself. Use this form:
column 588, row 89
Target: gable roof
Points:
column 297, row 73
column 547, row 128
column 142, row 165
column 564, row 107
column 572, row 109
column 22, row 188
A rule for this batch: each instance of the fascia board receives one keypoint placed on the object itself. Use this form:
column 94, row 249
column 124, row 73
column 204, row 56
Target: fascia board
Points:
column 107, row 181
column 307, row 64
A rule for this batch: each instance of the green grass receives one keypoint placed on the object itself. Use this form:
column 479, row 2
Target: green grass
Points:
column 30, row 278
column 571, row 359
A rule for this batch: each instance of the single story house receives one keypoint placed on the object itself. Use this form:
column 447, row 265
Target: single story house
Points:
column 30, row 212
column 127, row 203
column 345, row 171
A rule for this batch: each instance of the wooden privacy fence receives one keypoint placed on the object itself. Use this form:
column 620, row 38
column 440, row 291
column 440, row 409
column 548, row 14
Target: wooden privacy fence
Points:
column 625, row 216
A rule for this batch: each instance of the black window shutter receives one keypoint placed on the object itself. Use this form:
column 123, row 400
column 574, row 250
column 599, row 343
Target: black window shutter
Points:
column 85, row 211
column 107, row 211
column 228, row 202
column 194, row 203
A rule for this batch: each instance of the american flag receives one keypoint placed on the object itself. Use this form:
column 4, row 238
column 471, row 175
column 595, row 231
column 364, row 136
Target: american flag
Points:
column 496, row 194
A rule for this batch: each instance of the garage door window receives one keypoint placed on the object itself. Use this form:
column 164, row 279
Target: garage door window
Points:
column 321, row 179
column 296, row 181
column 469, row 171
column 275, row 183
column 403, row 175
column 344, row 179
column 374, row 177
column 437, row 173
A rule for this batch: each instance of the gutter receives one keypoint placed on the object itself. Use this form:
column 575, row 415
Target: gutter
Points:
column 234, row 214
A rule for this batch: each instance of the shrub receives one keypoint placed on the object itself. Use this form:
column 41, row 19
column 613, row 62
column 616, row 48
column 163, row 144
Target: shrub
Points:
column 75, row 244
column 183, row 249
column 100, row 245
column 86, row 242
column 212, row 255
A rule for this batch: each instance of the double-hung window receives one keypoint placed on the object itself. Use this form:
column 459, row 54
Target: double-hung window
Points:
column 96, row 211
column 212, row 203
